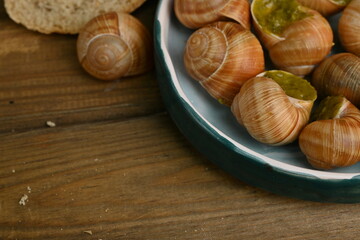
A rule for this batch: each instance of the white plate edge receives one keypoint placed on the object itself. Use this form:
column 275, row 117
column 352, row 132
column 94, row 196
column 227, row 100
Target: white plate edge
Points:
column 163, row 14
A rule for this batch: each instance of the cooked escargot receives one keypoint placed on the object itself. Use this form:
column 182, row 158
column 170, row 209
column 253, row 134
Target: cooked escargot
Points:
column 198, row 13
column 222, row 56
column 325, row 7
column 296, row 37
column 339, row 74
column 349, row 27
column 333, row 139
column 274, row 106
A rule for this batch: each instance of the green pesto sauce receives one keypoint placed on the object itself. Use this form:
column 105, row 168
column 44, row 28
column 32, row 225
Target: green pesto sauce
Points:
column 293, row 85
column 341, row 2
column 221, row 101
column 275, row 15
column 328, row 108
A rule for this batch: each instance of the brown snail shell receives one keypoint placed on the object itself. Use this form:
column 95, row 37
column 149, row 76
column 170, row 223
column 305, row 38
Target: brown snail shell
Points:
column 349, row 27
column 222, row 56
column 197, row 13
column 339, row 74
column 301, row 45
column 324, row 7
column 268, row 113
column 114, row 45
column 335, row 142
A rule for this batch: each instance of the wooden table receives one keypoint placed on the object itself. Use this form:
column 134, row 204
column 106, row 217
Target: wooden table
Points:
column 115, row 166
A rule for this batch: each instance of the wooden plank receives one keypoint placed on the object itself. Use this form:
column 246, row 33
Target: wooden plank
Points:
column 113, row 167
column 41, row 80
column 120, row 182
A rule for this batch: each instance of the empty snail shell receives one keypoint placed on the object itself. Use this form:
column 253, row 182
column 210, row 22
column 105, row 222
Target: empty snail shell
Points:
column 296, row 37
column 197, row 13
column 334, row 139
column 325, row 7
column 222, row 56
column 274, row 106
column 349, row 27
column 114, row 45
column 339, row 74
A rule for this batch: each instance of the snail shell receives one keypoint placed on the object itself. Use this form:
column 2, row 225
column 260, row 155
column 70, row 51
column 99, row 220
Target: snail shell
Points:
column 349, row 27
column 114, row 45
column 301, row 45
column 325, row 7
column 197, row 13
column 334, row 142
column 222, row 56
column 268, row 113
column 339, row 74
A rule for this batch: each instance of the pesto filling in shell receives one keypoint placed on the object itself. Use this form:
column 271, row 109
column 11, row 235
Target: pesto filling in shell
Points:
column 293, row 85
column 328, row 108
column 275, row 15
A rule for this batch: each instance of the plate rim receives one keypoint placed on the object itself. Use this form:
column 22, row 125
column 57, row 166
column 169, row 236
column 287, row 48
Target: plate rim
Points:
column 181, row 108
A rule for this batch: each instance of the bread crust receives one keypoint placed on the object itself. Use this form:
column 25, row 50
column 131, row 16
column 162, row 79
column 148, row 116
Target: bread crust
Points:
column 63, row 16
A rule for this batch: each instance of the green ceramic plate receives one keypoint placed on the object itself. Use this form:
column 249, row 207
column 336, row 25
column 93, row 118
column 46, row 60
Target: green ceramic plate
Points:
column 212, row 129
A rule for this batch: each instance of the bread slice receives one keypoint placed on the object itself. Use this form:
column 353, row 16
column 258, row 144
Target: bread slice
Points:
column 63, row 16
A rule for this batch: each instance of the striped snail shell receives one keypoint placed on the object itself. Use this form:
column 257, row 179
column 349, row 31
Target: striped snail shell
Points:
column 349, row 27
column 197, row 13
column 114, row 45
column 339, row 74
column 297, row 39
column 325, row 7
column 274, row 106
column 221, row 57
column 333, row 140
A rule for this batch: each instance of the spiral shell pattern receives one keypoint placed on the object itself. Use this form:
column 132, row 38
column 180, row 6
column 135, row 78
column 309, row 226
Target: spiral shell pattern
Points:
column 114, row 45
column 222, row 56
column 349, row 27
column 334, row 142
column 197, row 13
column 268, row 114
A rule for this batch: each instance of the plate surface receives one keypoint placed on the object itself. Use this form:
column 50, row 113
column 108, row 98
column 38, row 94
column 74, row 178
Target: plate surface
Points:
column 213, row 130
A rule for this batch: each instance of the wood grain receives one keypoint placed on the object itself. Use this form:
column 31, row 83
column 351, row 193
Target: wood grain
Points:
column 121, row 182
column 41, row 79
column 115, row 166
